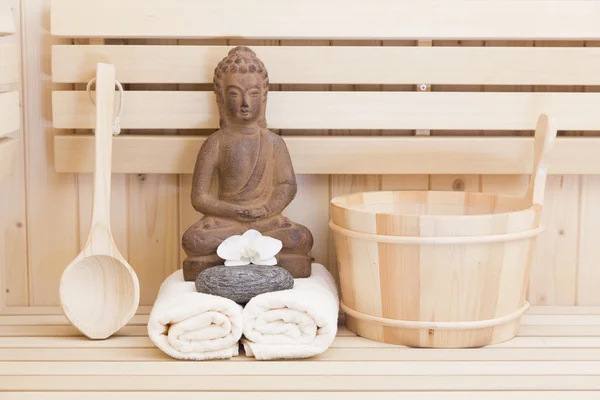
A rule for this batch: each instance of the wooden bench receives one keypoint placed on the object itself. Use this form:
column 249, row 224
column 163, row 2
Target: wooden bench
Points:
column 378, row 87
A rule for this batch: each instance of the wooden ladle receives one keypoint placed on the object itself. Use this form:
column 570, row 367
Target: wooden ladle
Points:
column 99, row 291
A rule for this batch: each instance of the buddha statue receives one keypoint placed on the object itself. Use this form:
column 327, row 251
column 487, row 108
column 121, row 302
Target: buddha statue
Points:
column 254, row 171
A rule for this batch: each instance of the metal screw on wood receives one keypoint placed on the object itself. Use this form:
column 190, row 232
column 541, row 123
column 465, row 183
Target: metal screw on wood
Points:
column 423, row 87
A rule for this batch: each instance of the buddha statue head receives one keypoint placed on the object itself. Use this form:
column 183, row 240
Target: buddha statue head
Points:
column 241, row 84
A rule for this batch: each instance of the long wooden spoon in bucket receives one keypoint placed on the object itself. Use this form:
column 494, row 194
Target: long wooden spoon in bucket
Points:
column 99, row 291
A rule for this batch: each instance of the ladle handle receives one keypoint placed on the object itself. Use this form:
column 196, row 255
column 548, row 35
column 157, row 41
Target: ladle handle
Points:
column 105, row 103
column 545, row 135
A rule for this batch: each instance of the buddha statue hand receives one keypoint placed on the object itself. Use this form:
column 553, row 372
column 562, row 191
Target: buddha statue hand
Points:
column 252, row 214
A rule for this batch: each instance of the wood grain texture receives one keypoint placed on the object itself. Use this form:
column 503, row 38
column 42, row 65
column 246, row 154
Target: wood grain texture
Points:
column 7, row 22
column 10, row 118
column 13, row 220
column 554, row 270
column 338, row 110
column 292, row 64
column 52, row 220
column 9, row 63
column 377, row 19
column 339, row 155
column 9, row 149
column 553, row 362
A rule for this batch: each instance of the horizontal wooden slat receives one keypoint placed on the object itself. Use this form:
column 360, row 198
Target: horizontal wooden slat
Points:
column 300, row 382
column 52, row 310
column 339, row 342
column 7, row 23
column 344, row 110
column 329, row 65
column 342, row 395
column 333, row 19
column 9, row 64
column 8, row 155
column 10, row 115
column 304, row 368
column 332, row 354
column 345, row 155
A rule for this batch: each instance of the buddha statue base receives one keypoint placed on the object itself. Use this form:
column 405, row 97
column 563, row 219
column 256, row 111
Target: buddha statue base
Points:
column 298, row 265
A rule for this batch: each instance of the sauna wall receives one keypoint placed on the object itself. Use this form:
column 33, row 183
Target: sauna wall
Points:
column 44, row 215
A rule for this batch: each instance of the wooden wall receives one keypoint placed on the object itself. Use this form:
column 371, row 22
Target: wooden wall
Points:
column 44, row 215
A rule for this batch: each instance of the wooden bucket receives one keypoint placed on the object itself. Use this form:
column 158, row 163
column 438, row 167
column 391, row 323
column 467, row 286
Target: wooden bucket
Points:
column 439, row 268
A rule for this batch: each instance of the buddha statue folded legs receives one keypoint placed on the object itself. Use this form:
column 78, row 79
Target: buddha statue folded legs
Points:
column 201, row 240
column 254, row 170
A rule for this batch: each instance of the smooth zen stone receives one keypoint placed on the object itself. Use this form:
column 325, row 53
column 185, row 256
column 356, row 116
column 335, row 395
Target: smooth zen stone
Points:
column 242, row 283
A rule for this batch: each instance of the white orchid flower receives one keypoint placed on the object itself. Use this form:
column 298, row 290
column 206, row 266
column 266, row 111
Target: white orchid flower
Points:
column 251, row 247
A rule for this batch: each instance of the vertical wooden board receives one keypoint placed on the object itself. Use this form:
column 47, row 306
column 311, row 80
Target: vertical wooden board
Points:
column 153, row 230
column 554, row 269
column 513, row 185
column 53, row 226
column 460, row 183
column 13, row 227
column 153, row 215
column 405, row 182
column 7, row 22
column 588, row 269
column 311, row 209
column 311, row 205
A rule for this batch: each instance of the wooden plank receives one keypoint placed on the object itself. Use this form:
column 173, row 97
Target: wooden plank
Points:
column 376, row 19
column 9, row 63
column 52, row 220
column 456, row 395
column 7, row 23
column 63, row 330
column 8, row 154
column 304, row 368
column 378, row 65
column 13, row 205
column 588, row 252
column 345, row 110
column 10, row 118
column 299, row 382
column 332, row 354
column 554, row 270
column 50, row 310
column 355, row 342
column 344, row 395
column 339, row 155
column 548, row 330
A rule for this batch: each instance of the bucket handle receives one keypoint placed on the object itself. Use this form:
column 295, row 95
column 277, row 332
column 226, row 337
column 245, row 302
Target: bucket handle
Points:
column 545, row 135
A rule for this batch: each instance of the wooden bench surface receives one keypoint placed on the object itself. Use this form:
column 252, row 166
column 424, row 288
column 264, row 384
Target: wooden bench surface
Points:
column 557, row 349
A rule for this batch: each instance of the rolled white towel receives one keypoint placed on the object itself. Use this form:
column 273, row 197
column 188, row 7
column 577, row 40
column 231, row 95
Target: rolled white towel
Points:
column 297, row 323
column 189, row 325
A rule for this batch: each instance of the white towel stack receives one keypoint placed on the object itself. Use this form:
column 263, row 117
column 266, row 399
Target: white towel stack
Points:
column 189, row 325
column 297, row 323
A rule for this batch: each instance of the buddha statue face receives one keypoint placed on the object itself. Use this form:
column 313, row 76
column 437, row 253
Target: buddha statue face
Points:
column 243, row 97
column 241, row 85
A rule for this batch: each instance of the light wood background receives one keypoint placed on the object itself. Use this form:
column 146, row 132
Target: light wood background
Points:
column 44, row 215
